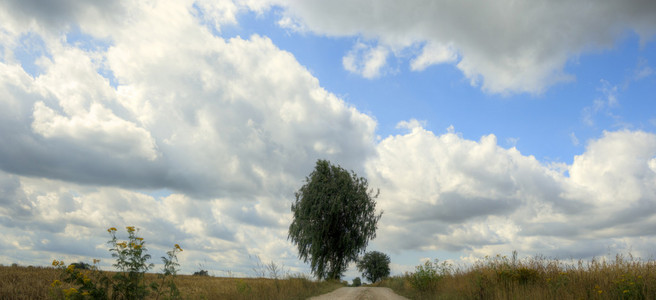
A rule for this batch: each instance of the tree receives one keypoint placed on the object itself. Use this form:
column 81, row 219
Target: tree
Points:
column 374, row 266
column 334, row 219
column 356, row 281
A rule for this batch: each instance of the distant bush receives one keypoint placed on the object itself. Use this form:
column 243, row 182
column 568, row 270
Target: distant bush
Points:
column 201, row 273
column 82, row 266
column 356, row 281
column 374, row 266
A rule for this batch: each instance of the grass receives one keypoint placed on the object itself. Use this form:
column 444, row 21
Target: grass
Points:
column 500, row 277
column 19, row 282
column 133, row 281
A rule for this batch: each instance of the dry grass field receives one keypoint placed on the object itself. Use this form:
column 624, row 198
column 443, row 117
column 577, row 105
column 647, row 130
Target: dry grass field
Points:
column 621, row 277
column 18, row 282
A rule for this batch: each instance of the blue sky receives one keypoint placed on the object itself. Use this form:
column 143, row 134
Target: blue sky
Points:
column 488, row 127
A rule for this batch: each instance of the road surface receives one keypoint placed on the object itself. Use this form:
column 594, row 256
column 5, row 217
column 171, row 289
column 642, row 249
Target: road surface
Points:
column 360, row 293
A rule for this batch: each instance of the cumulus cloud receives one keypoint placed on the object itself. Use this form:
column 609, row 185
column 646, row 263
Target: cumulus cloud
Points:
column 432, row 54
column 229, row 127
column 507, row 47
column 444, row 192
column 205, row 116
column 365, row 60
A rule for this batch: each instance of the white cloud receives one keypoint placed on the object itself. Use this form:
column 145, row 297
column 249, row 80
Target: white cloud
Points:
column 574, row 139
column 190, row 111
column 643, row 70
column 504, row 47
column 434, row 54
column 365, row 60
column 448, row 193
column 411, row 124
column 230, row 126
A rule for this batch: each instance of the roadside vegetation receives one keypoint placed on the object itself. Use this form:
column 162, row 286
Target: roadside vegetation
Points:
column 132, row 279
column 23, row 282
column 501, row 277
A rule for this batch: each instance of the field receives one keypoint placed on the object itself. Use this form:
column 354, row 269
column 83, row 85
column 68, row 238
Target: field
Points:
column 500, row 277
column 18, row 282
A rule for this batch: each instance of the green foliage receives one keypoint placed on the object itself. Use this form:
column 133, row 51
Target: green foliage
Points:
column 243, row 288
column 93, row 284
column 357, row 281
column 128, row 283
column 427, row 276
column 374, row 266
column 82, row 266
column 334, row 219
column 168, row 273
column 201, row 273
column 131, row 261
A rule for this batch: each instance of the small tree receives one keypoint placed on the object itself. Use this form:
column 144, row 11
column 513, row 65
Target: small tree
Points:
column 357, row 281
column 334, row 219
column 374, row 266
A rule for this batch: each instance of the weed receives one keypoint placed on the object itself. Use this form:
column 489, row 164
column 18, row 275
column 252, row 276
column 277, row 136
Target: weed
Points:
column 501, row 277
column 128, row 283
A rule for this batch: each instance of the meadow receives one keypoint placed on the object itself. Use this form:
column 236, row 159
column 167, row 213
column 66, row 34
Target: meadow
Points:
column 502, row 277
column 132, row 279
column 27, row 282
column 498, row 277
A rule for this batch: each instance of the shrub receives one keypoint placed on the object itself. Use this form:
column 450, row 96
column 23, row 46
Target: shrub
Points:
column 128, row 283
column 426, row 276
column 374, row 266
column 201, row 273
column 82, row 266
column 356, row 281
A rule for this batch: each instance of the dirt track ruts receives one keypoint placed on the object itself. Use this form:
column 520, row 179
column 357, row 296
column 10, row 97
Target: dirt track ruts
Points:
column 360, row 293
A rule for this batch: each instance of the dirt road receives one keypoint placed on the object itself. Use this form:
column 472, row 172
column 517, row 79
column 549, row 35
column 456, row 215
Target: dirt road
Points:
column 360, row 293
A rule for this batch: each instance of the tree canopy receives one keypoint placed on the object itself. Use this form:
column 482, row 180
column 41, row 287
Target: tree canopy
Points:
column 334, row 219
column 374, row 266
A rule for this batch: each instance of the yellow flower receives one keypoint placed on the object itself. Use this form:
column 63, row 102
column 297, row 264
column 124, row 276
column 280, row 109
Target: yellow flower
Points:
column 85, row 294
column 55, row 283
column 122, row 244
column 137, row 246
column 57, row 263
column 70, row 292
column 95, row 261
column 178, row 247
column 130, row 229
column 139, row 239
column 70, row 268
column 110, row 230
column 600, row 291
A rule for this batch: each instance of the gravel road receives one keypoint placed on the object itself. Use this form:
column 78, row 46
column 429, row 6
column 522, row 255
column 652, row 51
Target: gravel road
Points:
column 360, row 293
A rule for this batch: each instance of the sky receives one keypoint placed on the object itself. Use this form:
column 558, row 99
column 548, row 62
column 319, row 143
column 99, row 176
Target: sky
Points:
column 487, row 126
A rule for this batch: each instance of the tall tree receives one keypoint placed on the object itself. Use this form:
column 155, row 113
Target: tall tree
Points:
column 334, row 219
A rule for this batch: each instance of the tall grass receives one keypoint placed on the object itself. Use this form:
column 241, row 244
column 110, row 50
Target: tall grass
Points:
column 20, row 282
column 501, row 277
